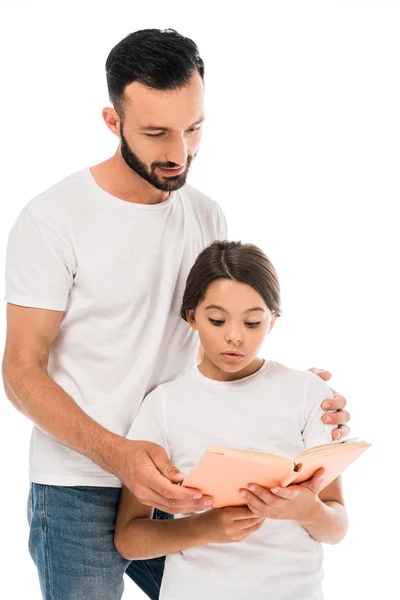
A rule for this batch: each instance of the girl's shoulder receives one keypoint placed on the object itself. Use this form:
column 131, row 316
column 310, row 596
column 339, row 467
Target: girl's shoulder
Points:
column 300, row 378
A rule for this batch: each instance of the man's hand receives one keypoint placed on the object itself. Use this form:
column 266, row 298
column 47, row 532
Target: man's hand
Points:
column 341, row 417
column 230, row 524
column 295, row 502
column 146, row 470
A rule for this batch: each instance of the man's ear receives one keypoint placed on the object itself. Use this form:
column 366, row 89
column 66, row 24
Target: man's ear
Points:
column 112, row 120
column 190, row 317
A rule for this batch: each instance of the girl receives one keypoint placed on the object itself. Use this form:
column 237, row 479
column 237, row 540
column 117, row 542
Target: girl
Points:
column 237, row 399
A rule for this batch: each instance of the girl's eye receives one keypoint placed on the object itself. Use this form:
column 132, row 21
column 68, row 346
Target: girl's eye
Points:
column 216, row 322
column 253, row 325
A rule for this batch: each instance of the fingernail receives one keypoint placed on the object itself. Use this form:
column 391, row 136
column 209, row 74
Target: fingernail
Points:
column 208, row 502
column 328, row 419
column 327, row 405
column 198, row 496
column 251, row 488
column 338, row 435
column 275, row 490
column 243, row 494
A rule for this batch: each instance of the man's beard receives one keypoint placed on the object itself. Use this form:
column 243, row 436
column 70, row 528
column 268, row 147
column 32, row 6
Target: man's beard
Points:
column 165, row 184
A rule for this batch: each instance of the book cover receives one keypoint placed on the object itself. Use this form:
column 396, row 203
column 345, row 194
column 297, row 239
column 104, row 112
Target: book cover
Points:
column 222, row 472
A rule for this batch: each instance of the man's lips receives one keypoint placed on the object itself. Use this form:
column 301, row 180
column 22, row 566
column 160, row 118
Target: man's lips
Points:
column 172, row 172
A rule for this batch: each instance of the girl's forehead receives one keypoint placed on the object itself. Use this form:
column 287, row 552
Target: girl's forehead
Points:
column 232, row 296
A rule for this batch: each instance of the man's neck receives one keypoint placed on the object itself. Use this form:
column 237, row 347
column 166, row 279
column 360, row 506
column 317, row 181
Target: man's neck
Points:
column 115, row 177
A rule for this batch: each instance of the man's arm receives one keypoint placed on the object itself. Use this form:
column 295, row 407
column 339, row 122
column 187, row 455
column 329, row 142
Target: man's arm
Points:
column 142, row 466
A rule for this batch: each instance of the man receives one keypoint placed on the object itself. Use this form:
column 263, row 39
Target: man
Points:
column 96, row 268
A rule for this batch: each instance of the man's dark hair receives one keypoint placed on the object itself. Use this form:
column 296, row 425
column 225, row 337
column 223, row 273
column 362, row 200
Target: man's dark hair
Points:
column 244, row 263
column 160, row 59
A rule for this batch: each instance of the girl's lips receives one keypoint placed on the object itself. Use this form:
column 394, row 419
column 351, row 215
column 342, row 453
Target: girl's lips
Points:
column 230, row 356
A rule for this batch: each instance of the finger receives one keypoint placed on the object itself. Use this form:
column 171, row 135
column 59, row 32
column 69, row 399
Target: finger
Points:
column 324, row 375
column 163, row 486
column 338, row 402
column 263, row 493
column 340, row 432
column 246, row 523
column 243, row 533
column 254, row 501
column 254, row 526
column 174, row 496
column 340, row 417
column 290, row 493
column 238, row 513
column 173, row 506
column 161, row 460
column 316, row 482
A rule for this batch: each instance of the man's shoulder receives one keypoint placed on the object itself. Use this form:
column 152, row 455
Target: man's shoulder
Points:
column 200, row 199
column 61, row 193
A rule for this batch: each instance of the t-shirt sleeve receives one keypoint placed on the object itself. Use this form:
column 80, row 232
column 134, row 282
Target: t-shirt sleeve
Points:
column 315, row 432
column 39, row 264
column 223, row 227
column 150, row 422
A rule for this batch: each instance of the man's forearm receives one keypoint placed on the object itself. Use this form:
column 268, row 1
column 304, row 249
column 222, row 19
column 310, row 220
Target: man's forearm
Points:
column 32, row 391
column 329, row 523
column 142, row 539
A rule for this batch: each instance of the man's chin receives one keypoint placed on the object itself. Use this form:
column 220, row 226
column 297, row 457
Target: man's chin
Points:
column 170, row 184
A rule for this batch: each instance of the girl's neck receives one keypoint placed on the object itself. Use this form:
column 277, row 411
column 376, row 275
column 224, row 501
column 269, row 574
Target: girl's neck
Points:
column 211, row 371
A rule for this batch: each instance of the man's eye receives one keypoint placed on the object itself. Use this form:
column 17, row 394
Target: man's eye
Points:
column 194, row 129
column 154, row 135
column 216, row 322
column 253, row 325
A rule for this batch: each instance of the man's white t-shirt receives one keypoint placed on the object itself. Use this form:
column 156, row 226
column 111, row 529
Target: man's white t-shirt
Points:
column 118, row 270
column 276, row 410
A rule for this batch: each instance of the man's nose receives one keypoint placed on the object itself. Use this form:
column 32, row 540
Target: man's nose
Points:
column 177, row 152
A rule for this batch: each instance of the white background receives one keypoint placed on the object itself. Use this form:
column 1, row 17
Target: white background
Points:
column 301, row 149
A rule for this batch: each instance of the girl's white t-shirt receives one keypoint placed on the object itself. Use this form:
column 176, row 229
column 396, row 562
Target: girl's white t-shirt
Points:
column 276, row 410
column 118, row 270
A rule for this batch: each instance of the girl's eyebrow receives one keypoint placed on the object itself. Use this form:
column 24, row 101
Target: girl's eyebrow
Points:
column 223, row 309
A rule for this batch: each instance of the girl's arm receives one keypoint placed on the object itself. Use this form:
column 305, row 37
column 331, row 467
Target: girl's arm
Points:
column 329, row 522
column 321, row 513
column 139, row 537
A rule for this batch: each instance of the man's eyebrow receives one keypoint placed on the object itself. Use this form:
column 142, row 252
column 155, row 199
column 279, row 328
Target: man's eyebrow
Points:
column 154, row 128
column 223, row 309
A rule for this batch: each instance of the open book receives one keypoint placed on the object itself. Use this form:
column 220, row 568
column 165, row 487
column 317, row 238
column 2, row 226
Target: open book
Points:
column 221, row 472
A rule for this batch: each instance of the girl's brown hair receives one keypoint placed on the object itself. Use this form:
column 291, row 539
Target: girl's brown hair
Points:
column 244, row 263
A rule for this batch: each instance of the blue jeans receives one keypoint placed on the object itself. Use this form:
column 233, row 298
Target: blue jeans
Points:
column 71, row 542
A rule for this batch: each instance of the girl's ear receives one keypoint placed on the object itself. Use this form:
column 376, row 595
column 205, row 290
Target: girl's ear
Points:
column 191, row 319
column 273, row 321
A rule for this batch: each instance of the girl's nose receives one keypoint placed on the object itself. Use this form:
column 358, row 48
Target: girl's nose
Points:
column 234, row 337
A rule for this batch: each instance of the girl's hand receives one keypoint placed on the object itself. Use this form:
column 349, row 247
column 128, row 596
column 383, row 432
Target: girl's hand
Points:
column 296, row 502
column 230, row 524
